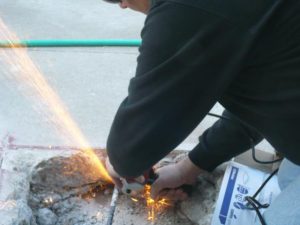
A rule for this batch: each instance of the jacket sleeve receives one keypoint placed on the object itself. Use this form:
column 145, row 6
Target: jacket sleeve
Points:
column 188, row 58
column 223, row 140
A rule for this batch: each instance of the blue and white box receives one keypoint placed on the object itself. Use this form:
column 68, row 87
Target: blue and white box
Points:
column 240, row 181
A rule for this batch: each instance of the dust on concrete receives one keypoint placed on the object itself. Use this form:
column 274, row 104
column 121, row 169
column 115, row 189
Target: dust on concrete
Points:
column 68, row 191
column 65, row 190
column 14, row 185
column 197, row 210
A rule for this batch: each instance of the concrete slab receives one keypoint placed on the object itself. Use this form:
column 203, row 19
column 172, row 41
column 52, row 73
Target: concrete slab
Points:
column 36, row 179
column 40, row 19
column 91, row 81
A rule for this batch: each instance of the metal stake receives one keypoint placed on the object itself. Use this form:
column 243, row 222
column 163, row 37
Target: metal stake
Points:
column 112, row 206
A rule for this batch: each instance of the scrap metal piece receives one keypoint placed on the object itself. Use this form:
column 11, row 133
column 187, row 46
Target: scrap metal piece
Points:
column 113, row 204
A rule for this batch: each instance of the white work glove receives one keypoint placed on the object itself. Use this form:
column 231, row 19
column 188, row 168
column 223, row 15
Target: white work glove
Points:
column 171, row 177
column 116, row 178
column 113, row 174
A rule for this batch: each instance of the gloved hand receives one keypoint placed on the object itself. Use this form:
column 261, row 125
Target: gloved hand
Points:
column 129, row 186
column 114, row 175
column 173, row 176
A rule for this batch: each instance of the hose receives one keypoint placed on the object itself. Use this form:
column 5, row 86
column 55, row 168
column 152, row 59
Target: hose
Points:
column 71, row 43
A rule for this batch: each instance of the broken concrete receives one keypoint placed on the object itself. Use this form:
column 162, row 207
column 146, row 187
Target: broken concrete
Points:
column 16, row 213
column 46, row 216
column 63, row 189
column 197, row 210
column 59, row 175
column 14, row 189
column 15, row 175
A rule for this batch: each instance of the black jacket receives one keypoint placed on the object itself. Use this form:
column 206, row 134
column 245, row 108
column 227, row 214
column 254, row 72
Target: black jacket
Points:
column 244, row 54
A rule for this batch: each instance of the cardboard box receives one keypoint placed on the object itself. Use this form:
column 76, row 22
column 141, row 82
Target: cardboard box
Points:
column 242, row 178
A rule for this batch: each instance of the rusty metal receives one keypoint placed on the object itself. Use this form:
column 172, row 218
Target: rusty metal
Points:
column 113, row 204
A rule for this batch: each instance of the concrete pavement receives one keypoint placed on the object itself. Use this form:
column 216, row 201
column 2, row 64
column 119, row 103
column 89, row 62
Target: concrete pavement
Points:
column 91, row 81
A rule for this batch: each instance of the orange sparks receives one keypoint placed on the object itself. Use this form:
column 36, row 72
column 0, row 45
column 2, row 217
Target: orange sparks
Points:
column 154, row 206
column 134, row 199
column 48, row 201
column 22, row 69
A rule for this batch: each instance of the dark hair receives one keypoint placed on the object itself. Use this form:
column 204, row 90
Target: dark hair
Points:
column 113, row 1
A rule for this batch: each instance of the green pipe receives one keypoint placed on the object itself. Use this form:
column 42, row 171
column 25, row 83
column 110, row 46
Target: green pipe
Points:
column 71, row 43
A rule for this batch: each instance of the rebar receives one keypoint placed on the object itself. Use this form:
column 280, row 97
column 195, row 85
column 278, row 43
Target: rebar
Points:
column 113, row 204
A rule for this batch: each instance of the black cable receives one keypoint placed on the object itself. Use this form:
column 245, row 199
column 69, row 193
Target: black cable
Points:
column 264, row 183
column 261, row 219
column 259, row 161
column 252, row 143
column 219, row 116
column 256, row 202
column 256, row 205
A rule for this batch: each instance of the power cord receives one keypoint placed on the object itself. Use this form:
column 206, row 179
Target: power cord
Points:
column 259, row 161
column 255, row 204
column 252, row 143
